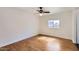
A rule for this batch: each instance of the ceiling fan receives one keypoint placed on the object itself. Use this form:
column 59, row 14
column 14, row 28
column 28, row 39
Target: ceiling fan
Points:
column 41, row 11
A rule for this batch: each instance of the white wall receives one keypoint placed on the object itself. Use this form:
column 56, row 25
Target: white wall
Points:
column 65, row 30
column 16, row 25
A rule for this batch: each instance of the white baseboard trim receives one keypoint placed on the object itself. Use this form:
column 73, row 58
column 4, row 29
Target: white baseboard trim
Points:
column 5, row 42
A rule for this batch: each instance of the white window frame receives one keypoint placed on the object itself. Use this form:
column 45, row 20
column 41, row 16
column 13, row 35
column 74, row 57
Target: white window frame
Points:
column 53, row 23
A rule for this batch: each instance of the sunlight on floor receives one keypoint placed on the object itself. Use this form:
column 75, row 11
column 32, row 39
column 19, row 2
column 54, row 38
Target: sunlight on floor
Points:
column 46, row 38
column 51, row 43
column 53, row 46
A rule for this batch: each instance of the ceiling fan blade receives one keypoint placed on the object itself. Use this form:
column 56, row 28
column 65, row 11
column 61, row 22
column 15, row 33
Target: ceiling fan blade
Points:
column 46, row 12
column 38, row 10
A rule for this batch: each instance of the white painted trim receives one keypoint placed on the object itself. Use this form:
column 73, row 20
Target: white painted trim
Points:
column 74, row 25
column 5, row 42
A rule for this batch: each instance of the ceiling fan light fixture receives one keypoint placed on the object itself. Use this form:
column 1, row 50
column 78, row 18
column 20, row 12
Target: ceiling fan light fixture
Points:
column 41, row 14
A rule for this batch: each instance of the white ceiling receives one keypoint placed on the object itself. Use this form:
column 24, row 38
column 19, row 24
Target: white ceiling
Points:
column 51, row 9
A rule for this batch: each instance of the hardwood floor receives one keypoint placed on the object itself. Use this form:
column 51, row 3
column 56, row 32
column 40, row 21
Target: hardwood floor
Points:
column 42, row 43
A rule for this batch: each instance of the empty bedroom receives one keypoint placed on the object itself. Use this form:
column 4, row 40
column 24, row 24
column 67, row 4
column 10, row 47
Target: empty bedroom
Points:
column 39, row 28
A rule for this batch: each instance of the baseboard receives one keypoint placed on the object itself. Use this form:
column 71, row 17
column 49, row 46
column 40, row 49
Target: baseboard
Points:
column 16, row 39
column 53, row 36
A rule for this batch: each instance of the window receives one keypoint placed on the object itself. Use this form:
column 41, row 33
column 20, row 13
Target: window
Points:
column 53, row 23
